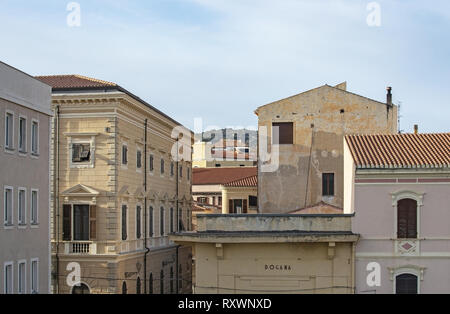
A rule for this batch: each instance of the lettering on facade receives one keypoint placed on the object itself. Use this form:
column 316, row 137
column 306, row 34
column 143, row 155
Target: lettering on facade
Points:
column 274, row 267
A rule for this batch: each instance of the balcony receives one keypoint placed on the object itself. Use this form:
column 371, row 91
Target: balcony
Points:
column 80, row 248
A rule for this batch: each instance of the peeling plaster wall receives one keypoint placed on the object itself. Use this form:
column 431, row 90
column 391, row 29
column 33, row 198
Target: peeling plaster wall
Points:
column 322, row 117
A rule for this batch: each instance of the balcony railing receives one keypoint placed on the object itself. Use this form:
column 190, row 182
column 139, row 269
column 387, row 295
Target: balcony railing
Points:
column 78, row 247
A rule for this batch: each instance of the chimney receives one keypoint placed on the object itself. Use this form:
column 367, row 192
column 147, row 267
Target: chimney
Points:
column 416, row 129
column 389, row 96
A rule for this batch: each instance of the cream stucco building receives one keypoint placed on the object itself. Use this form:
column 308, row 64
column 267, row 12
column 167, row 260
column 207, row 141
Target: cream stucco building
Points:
column 118, row 191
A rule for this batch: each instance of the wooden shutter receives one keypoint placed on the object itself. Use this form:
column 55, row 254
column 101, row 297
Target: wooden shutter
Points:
column 231, row 208
column 245, row 206
column 286, row 132
column 407, row 219
column 67, row 222
column 93, row 223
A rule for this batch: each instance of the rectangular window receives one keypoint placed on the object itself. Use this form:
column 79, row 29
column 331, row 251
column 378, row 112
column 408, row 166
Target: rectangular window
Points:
column 22, row 135
column 139, row 159
column 328, row 184
column 138, row 222
column 172, row 169
column 124, row 223
column 161, row 222
column 35, row 138
column 151, row 223
column 34, row 207
column 286, row 133
column 181, row 171
column 171, row 220
column 253, row 201
column 152, row 166
column 21, row 206
column 8, row 287
column 21, row 277
column 162, row 166
column 8, row 206
column 124, row 155
column 220, row 201
column 34, row 276
column 81, row 222
column 81, row 153
column 9, row 127
column 202, row 200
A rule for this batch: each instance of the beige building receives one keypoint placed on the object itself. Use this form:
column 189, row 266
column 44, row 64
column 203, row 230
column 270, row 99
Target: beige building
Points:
column 24, row 182
column 118, row 191
column 269, row 254
column 311, row 128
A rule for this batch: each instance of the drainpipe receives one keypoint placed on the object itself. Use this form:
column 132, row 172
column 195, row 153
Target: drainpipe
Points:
column 56, row 208
column 147, row 250
column 178, row 215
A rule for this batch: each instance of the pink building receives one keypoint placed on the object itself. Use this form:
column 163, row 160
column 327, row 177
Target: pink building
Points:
column 398, row 186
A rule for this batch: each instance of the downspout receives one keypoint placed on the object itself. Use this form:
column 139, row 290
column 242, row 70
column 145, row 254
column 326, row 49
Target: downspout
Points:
column 178, row 217
column 147, row 250
column 56, row 194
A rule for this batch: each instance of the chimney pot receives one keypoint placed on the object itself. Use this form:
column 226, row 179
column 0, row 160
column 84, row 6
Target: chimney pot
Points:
column 416, row 129
column 389, row 96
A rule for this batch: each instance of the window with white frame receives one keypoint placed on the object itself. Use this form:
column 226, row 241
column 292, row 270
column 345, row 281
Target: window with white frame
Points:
column 152, row 166
column 21, row 277
column 151, row 222
column 124, row 222
column 8, row 282
column 22, row 135
column 21, row 206
column 34, row 276
column 35, row 138
column 9, row 130
column 138, row 159
column 161, row 222
column 34, row 217
column 8, row 206
column 81, row 153
column 138, row 221
column 163, row 168
column 124, row 154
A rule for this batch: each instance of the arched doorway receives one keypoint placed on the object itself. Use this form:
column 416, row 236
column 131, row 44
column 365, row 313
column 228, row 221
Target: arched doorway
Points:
column 81, row 289
column 406, row 284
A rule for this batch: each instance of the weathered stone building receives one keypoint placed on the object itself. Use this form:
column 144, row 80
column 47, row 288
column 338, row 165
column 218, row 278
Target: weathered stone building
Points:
column 118, row 191
column 311, row 127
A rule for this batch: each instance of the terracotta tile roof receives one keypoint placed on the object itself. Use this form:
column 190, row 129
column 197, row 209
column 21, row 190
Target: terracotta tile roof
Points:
column 212, row 176
column 243, row 183
column 400, row 150
column 73, row 82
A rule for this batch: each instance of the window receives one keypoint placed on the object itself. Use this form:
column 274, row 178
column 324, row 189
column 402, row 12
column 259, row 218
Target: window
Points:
column 21, row 206
column 189, row 173
column 81, row 223
column 35, row 138
column 220, row 201
column 124, row 288
column 124, row 223
column 8, row 287
column 328, row 184
column 253, row 201
column 8, row 206
column 138, row 159
column 162, row 166
column 202, row 200
column 34, row 207
column 161, row 222
column 181, row 171
column 22, row 135
column 81, row 153
column 180, row 220
column 152, row 167
column 151, row 223
column 407, row 219
column 34, row 276
column 188, row 220
column 9, row 130
column 171, row 220
column 138, row 222
column 81, row 289
column 124, row 154
column 21, row 277
column 172, row 169
column 138, row 286
column 150, row 284
column 171, row 280
column 286, row 133
column 161, row 282
column 406, row 284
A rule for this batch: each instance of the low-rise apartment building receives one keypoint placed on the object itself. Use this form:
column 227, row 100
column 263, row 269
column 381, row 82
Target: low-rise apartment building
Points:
column 24, row 183
column 119, row 190
column 398, row 187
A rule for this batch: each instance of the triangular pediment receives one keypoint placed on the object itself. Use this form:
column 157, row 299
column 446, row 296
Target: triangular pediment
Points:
column 124, row 191
column 80, row 190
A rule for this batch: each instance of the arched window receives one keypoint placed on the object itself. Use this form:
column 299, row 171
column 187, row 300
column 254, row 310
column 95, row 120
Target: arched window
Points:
column 81, row 289
column 124, row 288
column 138, row 286
column 406, row 284
column 161, row 222
column 150, row 284
column 161, row 282
column 407, row 219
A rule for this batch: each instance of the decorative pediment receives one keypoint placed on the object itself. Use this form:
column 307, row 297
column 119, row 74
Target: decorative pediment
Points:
column 139, row 193
column 153, row 196
column 80, row 190
column 124, row 192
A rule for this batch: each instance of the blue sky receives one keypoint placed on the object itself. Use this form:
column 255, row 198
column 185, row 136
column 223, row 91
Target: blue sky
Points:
column 221, row 59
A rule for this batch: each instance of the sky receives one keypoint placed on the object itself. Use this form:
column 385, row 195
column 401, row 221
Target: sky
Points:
column 219, row 60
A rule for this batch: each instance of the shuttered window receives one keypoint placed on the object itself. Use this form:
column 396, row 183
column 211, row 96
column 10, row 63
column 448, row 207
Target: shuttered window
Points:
column 245, row 207
column 93, row 223
column 407, row 219
column 67, row 222
column 406, row 284
column 81, row 222
column 328, row 184
column 286, row 133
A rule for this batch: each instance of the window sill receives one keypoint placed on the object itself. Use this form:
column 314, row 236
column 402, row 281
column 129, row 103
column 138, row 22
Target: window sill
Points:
column 8, row 227
column 9, row 150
